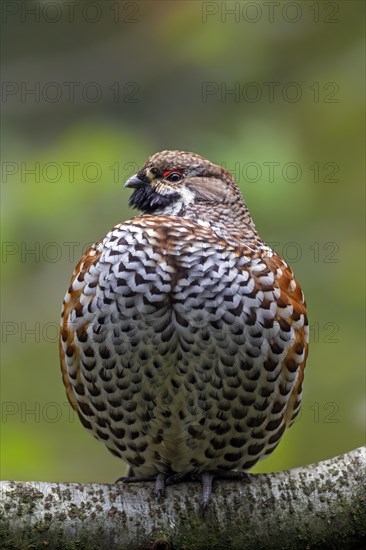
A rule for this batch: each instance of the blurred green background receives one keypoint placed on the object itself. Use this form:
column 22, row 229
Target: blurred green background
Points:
column 275, row 92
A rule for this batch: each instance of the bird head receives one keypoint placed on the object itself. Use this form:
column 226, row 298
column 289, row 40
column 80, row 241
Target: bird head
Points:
column 172, row 181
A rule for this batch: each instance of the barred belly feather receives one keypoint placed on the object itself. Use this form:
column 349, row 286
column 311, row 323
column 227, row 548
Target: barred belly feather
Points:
column 183, row 349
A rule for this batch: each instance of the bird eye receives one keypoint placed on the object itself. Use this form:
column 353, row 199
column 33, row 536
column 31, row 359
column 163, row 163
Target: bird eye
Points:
column 172, row 175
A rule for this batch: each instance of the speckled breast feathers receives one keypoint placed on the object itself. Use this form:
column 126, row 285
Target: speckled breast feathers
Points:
column 183, row 336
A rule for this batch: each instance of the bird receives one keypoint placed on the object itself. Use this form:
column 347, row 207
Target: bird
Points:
column 184, row 337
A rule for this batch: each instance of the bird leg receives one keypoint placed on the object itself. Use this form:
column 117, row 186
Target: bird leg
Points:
column 159, row 482
column 160, row 486
column 206, row 478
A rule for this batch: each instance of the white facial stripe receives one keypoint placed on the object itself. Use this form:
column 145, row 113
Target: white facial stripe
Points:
column 187, row 195
column 172, row 210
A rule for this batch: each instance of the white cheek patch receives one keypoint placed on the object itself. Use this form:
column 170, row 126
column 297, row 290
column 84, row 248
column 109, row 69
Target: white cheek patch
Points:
column 187, row 196
column 173, row 209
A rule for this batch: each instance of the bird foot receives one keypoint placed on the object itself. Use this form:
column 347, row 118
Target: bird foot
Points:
column 207, row 481
column 159, row 482
column 206, row 478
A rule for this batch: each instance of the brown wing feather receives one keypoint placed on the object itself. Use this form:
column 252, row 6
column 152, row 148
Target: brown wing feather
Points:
column 66, row 338
column 292, row 295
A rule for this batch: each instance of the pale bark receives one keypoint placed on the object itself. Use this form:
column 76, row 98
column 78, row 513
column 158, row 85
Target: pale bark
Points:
column 322, row 505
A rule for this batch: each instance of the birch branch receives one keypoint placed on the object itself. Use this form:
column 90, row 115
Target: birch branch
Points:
column 322, row 505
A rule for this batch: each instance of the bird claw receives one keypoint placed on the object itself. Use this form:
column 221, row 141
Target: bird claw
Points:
column 207, row 481
column 206, row 478
column 160, row 482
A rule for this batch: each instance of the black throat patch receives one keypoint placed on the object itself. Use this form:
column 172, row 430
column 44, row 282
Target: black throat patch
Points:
column 147, row 200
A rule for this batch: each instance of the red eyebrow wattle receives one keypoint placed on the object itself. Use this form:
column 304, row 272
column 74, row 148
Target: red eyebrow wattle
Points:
column 168, row 172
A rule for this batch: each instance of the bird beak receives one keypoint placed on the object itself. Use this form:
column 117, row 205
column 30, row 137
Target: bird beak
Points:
column 135, row 182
